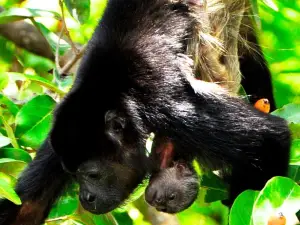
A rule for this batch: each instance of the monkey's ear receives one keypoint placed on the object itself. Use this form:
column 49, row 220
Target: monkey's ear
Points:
column 180, row 169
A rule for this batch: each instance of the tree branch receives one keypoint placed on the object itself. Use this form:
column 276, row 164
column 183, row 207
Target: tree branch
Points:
column 26, row 36
column 72, row 61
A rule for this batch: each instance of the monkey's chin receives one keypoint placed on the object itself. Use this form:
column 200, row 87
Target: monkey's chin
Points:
column 168, row 210
column 171, row 210
column 98, row 210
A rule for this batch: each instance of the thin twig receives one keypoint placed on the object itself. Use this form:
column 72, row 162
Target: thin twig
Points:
column 72, row 61
column 56, row 219
column 77, row 52
column 57, row 48
column 74, row 49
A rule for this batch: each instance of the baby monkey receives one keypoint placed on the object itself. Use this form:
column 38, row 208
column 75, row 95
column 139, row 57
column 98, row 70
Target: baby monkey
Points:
column 174, row 184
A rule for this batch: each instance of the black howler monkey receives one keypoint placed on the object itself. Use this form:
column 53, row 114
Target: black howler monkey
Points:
column 137, row 68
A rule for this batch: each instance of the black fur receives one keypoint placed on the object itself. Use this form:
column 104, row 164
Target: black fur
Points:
column 256, row 76
column 134, row 67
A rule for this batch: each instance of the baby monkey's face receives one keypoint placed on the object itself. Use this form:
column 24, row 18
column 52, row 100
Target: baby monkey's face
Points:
column 173, row 189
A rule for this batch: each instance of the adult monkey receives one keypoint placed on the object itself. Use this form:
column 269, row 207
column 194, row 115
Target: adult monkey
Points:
column 136, row 67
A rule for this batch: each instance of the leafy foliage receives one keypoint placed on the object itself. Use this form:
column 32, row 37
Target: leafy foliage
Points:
column 79, row 9
column 31, row 87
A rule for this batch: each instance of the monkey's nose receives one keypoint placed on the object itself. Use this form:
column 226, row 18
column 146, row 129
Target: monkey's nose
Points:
column 158, row 200
column 161, row 208
column 88, row 197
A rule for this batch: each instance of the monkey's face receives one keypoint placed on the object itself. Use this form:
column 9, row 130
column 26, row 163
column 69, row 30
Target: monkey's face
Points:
column 173, row 189
column 105, row 185
column 106, row 182
column 106, row 154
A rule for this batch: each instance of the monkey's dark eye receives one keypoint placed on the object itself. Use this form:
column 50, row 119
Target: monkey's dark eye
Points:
column 117, row 126
column 94, row 176
column 114, row 121
column 172, row 196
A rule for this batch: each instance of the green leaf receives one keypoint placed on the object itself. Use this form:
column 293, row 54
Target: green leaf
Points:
column 7, row 104
column 4, row 79
column 216, row 188
column 280, row 195
column 295, row 152
column 290, row 112
column 12, row 167
column 193, row 218
column 64, row 83
column 65, row 206
column 33, row 121
column 8, row 179
column 7, row 191
column 67, row 203
column 15, row 153
column 122, row 217
column 7, row 52
column 40, row 64
column 80, row 10
column 295, row 129
column 39, row 80
column 213, row 195
column 241, row 210
column 9, row 132
column 271, row 4
column 4, row 141
column 294, row 173
column 52, row 39
column 16, row 14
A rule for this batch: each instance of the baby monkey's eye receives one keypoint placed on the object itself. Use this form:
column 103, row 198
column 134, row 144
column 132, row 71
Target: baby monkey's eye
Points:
column 172, row 196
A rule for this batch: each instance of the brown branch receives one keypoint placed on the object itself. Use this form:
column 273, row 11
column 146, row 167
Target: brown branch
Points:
column 68, row 66
column 26, row 36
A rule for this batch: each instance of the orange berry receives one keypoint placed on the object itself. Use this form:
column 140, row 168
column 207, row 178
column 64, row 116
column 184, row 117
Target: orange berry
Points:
column 277, row 220
column 263, row 105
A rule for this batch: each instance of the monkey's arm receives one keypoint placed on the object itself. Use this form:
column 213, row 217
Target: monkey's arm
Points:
column 38, row 187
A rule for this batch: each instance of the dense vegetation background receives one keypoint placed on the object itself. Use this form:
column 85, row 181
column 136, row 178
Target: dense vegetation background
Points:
column 30, row 88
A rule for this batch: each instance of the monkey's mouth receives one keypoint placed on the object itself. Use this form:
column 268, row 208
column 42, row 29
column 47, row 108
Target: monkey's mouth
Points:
column 168, row 210
column 94, row 209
